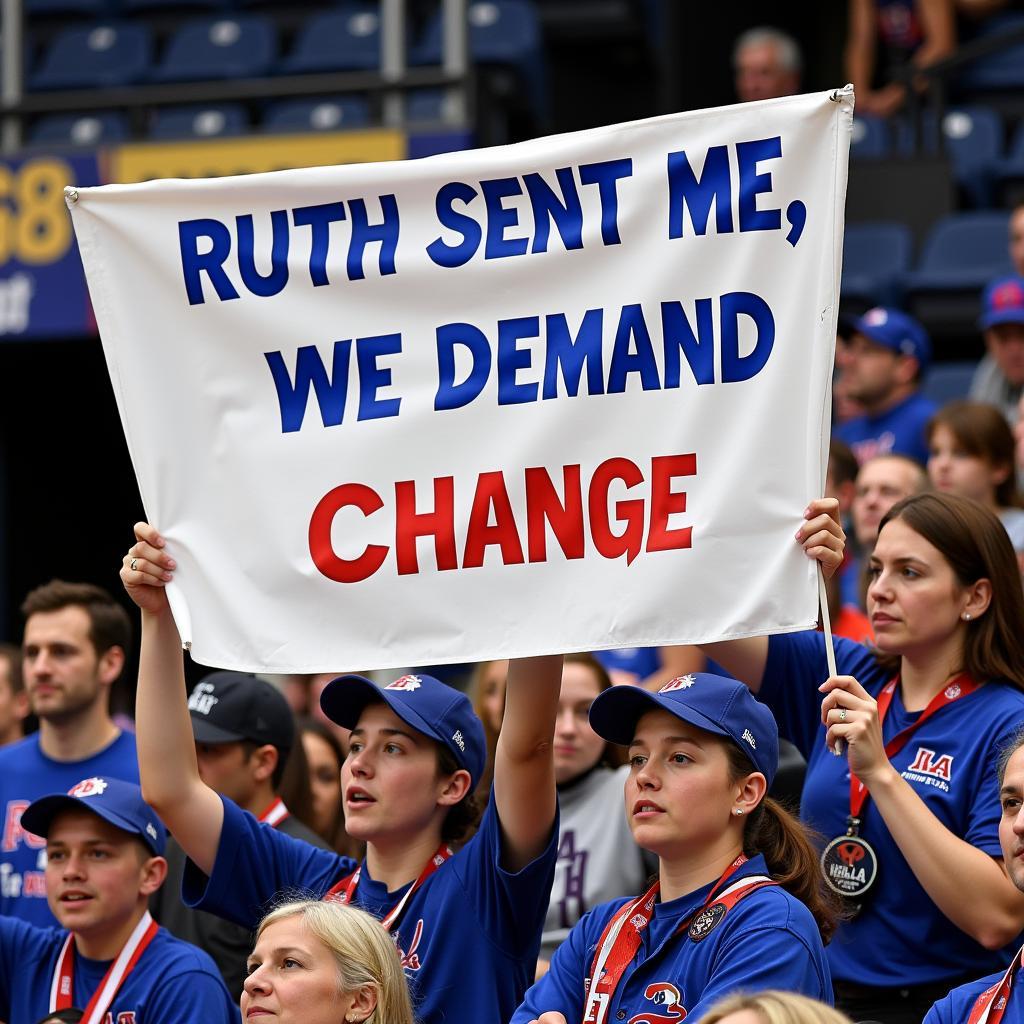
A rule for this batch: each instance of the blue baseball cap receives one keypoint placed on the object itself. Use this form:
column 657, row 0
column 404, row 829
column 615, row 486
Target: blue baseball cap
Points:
column 713, row 703
column 114, row 800
column 1002, row 302
column 425, row 703
column 894, row 330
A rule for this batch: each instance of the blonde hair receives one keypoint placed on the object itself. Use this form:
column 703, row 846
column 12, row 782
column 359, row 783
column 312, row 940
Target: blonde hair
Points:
column 365, row 953
column 776, row 1008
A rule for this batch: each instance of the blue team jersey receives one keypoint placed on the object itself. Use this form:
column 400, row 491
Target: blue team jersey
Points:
column 26, row 774
column 901, row 937
column 173, row 982
column 767, row 940
column 468, row 936
column 898, row 431
column 956, row 1007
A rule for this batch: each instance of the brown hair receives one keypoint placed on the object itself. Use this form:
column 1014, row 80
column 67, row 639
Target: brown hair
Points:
column 477, row 693
column 976, row 546
column 842, row 463
column 12, row 656
column 109, row 625
column 788, row 849
column 462, row 819
column 982, row 431
column 613, row 755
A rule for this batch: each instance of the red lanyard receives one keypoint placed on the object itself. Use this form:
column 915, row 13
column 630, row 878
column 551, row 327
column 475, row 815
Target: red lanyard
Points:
column 62, row 990
column 345, row 890
column 960, row 687
column 990, row 1006
column 275, row 813
column 621, row 937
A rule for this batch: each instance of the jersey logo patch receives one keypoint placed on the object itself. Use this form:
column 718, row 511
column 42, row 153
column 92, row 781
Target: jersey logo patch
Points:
column 88, row 787
column 706, row 921
column 410, row 959
column 748, row 736
column 927, row 762
column 406, row 683
column 662, row 994
column 679, row 683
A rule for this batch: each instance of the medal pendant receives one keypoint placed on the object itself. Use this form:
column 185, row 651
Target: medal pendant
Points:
column 849, row 866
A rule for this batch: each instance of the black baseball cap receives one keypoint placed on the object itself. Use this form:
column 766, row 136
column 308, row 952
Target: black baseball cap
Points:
column 228, row 707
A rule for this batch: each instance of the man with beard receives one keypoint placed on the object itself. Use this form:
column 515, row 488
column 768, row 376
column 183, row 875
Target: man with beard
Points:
column 73, row 651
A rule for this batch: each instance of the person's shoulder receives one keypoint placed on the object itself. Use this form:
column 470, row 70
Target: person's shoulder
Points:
column 774, row 909
column 176, row 956
column 956, row 1006
column 919, row 404
column 15, row 753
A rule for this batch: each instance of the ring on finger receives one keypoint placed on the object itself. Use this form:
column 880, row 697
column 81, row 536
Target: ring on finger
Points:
column 842, row 714
column 131, row 564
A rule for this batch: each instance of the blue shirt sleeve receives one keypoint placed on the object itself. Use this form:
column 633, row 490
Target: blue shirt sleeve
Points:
column 795, row 668
column 985, row 808
column 511, row 906
column 16, row 947
column 561, row 989
column 254, row 863
column 192, row 996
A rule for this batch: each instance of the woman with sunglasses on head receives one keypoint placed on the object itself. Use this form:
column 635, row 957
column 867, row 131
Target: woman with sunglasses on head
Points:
column 910, row 810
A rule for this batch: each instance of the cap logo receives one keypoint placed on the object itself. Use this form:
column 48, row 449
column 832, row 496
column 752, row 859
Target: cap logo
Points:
column 679, row 683
column 151, row 831
column 405, row 683
column 202, row 699
column 748, row 736
column 88, row 787
column 1008, row 295
column 459, row 741
column 875, row 317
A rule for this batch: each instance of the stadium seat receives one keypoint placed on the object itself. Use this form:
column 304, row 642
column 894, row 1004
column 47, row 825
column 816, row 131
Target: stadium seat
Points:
column 973, row 140
column 343, row 40
column 208, row 121
column 875, row 258
column 1009, row 172
column 94, row 57
column 1002, row 71
column 504, row 34
column 946, row 382
column 90, row 129
column 961, row 254
column 870, row 139
column 326, row 114
column 238, row 46
column 98, row 9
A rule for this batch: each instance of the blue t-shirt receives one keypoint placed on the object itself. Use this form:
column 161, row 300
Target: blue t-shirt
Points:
column 900, row 937
column 468, row 936
column 956, row 1007
column 767, row 940
column 898, row 431
column 26, row 774
column 172, row 983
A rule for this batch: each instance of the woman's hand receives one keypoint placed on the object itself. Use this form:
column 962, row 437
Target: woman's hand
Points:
column 146, row 570
column 551, row 1017
column 822, row 534
column 849, row 713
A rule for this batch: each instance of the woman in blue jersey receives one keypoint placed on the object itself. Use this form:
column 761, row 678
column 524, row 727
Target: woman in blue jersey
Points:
column 738, row 903
column 910, row 810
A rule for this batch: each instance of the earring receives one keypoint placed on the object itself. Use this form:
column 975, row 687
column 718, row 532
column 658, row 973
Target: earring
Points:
column 966, row 616
column 738, row 811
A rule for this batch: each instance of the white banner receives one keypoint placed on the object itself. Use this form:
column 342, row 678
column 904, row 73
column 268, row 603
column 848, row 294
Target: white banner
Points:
column 564, row 395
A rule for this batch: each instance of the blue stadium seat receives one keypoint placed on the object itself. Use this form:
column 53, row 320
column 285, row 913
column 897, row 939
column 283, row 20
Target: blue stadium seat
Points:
column 95, row 57
column 424, row 106
column 503, row 33
column 963, row 252
column 236, row 46
column 875, row 258
column 157, row 6
column 324, row 114
column 347, row 39
column 973, row 140
column 92, row 129
column 870, row 139
column 98, row 9
column 1009, row 172
column 998, row 72
column 197, row 121
column 946, row 382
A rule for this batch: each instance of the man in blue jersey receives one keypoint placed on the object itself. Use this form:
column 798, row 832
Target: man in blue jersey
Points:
column 74, row 647
column 467, row 921
column 881, row 363
column 997, row 997
column 109, row 959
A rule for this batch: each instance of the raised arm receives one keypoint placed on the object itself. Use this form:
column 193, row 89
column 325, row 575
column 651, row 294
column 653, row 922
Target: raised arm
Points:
column 524, row 771
column 823, row 540
column 168, row 769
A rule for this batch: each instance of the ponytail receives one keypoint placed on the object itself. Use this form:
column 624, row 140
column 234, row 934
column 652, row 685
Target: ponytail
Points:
column 787, row 847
